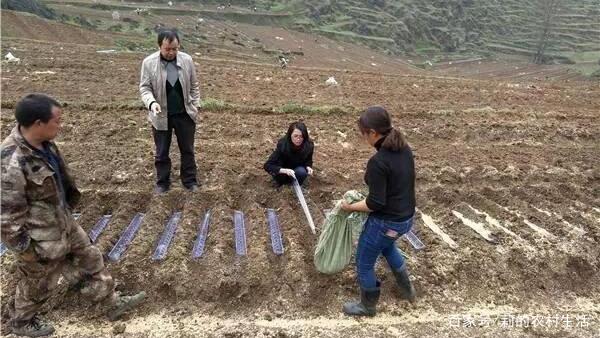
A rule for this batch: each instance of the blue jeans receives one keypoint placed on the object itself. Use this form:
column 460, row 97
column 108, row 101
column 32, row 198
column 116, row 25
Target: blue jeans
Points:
column 379, row 237
column 301, row 174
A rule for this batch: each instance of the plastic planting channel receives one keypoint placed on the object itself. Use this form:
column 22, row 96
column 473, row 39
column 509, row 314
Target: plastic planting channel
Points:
column 163, row 243
column 275, row 229
column 414, row 240
column 198, row 249
column 126, row 238
column 99, row 227
column 240, row 233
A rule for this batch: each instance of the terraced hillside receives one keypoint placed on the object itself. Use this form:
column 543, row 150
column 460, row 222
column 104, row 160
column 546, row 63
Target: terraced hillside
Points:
column 429, row 28
column 433, row 26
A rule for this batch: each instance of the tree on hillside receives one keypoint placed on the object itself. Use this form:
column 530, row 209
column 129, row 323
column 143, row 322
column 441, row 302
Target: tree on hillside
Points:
column 548, row 11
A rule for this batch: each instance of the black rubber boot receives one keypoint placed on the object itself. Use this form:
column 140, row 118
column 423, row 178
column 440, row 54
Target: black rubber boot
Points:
column 367, row 305
column 36, row 327
column 407, row 291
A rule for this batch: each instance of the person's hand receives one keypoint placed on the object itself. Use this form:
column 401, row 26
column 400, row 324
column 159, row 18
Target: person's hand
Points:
column 346, row 206
column 309, row 170
column 288, row 172
column 155, row 108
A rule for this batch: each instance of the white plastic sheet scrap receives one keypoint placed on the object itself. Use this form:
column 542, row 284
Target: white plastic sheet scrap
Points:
column 331, row 81
column 11, row 58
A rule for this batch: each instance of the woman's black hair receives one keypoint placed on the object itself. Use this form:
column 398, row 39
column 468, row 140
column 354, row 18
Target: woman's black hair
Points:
column 378, row 119
column 300, row 126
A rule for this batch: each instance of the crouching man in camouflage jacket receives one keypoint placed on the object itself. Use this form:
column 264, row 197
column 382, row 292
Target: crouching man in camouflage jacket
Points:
column 37, row 225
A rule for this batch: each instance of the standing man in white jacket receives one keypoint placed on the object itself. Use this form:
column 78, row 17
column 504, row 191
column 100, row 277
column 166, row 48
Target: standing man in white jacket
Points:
column 169, row 89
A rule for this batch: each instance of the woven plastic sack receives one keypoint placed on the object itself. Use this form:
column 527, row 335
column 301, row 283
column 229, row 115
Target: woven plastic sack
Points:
column 340, row 230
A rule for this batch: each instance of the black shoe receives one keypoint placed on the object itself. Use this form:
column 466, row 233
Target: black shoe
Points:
column 160, row 189
column 407, row 291
column 367, row 305
column 36, row 327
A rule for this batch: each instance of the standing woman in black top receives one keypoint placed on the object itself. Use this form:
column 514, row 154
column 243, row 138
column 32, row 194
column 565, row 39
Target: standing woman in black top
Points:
column 293, row 157
column 390, row 176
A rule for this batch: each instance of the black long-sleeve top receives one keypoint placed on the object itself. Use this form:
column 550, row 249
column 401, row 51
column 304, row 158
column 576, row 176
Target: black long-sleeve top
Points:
column 391, row 179
column 290, row 157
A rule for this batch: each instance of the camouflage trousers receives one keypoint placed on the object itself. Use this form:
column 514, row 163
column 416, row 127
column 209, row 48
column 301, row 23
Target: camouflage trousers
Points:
column 83, row 264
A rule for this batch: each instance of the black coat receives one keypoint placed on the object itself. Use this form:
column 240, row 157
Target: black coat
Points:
column 285, row 156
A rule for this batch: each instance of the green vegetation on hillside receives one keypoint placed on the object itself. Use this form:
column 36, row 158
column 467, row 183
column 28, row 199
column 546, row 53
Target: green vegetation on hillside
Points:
column 434, row 29
column 30, row 6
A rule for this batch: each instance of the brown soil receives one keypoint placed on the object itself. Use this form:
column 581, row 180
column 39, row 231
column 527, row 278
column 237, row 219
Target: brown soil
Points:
column 522, row 155
column 29, row 26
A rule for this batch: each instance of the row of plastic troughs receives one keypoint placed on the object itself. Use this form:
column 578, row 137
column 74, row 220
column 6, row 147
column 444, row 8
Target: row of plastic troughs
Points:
column 166, row 237
column 160, row 252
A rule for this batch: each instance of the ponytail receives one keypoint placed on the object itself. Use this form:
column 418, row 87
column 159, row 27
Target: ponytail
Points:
column 394, row 140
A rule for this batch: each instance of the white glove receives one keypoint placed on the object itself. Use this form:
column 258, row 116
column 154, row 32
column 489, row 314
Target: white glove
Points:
column 309, row 170
column 288, row 172
column 156, row 109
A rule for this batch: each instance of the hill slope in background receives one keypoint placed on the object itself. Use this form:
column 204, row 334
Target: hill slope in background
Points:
column 430, row 33
column 430, row 27
column 31, row 6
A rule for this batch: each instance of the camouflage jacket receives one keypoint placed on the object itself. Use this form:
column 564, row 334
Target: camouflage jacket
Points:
column 32, row 210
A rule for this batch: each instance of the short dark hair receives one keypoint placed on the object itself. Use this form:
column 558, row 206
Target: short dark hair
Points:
column 168, row 34
column 35, row 107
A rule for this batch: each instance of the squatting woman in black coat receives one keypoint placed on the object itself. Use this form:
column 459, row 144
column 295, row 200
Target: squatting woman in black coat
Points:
column 293, row 157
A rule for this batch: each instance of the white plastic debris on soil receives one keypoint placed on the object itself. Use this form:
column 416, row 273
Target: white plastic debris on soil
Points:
column 476, row 226
column 11, row 58
column 493, row 221
column 532, row 226
column 430, row 223
column 331, row 81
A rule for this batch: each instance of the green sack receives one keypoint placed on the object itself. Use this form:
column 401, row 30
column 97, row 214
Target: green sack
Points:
column 340, row 230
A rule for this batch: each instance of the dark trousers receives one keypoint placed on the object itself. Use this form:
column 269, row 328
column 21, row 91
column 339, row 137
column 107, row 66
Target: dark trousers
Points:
column 300, row 172
column 185, row 129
